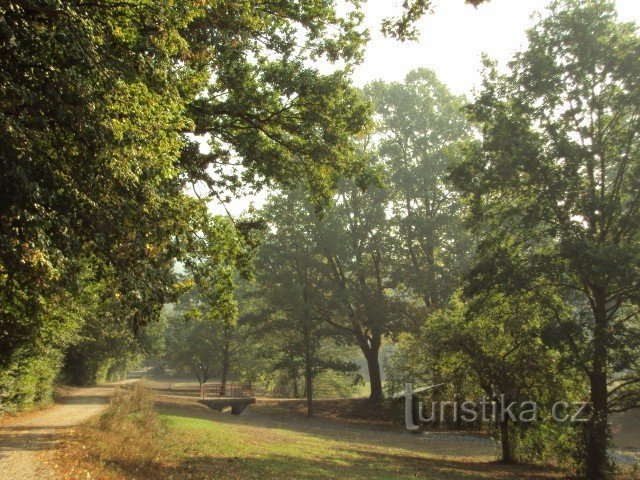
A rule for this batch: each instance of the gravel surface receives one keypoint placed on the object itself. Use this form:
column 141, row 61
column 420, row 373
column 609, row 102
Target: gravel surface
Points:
column 26, row 440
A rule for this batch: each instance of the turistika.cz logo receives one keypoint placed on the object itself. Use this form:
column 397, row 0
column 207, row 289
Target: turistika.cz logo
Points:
column 486, row 410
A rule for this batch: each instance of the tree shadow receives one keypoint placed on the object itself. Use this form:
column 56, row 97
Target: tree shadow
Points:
column 20, row 438
column 358, row 464
column 424, row 458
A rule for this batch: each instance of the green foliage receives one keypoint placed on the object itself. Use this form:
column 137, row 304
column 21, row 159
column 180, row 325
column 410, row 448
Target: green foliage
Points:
column 285, row 310
column 205, row 337
column 86, row 178
column 216, row 255
column 75, row 177
column 105, row 345
column 550, row 443
column 29, row 378
column 389, row 245
column 553, row 189
column 493, row 345
column 193, row 345
column 420, row 130
column 98, row 103
column 30, row 372
column 268, row 105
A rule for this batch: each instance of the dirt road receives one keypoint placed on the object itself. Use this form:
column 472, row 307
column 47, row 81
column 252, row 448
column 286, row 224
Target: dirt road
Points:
column 25, row 441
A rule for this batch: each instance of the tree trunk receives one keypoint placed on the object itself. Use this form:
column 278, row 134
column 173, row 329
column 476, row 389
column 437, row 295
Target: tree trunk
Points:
column 296, row 391
column 430, row 293
column 505, row 440
column 375, row 377
column 225, row 366
column 598, row 466
column 308, row 369
column 308, row 378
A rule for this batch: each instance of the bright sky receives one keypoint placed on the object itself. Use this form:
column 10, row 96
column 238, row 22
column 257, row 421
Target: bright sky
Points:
column 451, row 43
column 453, row 39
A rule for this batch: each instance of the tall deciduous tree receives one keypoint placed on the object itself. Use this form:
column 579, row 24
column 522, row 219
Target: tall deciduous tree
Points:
column 290, row 272
column 357, row 245
column 84, row 173
column 557, row 175
column 97, row 103
column 420, row 127
column 217, row 255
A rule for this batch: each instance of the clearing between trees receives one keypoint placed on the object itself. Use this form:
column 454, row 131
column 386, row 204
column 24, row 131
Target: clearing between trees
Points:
column 176, row 437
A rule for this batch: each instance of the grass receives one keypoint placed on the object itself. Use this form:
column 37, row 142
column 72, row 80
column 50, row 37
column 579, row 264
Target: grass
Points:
column 187, row 441
column 248, row 451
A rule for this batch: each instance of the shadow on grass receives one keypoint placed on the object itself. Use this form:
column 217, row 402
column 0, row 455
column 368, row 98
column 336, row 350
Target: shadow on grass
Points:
column 361, row 465
column 335, row 430
column 361, row 458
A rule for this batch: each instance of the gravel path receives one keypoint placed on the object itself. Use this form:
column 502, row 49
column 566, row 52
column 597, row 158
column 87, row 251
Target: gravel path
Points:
column 24, row 440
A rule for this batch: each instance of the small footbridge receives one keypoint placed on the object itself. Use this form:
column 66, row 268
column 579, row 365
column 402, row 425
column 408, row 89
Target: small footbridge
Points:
column 218, row 396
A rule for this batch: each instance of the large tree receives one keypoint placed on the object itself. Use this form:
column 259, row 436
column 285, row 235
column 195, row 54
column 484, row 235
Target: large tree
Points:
column 98, row 101
column 420, row 127
column 555, row 191
column 83, row 173
column 290, row 267
column 217, row 255
column 357, row 246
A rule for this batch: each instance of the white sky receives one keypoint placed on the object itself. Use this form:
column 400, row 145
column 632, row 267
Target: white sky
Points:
column 451, row 43
column 453, row 39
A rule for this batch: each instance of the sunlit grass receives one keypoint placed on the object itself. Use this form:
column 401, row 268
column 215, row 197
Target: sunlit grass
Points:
column 256, row 451
column 188, row 441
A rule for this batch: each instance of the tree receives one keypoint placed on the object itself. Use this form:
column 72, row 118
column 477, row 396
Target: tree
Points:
column 99, row 101
column 420, row 128
column 357, row 247
column 501, row 339
column 105, row 346
column 216, row 256
column 85, row 176
column 193, row 345
column 557, row 176
column 289, row 273
column 394, row 237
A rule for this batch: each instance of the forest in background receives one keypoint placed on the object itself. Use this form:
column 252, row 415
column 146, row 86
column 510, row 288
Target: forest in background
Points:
column 490, row 244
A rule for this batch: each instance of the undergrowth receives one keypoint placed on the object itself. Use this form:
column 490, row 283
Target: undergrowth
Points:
column 120, row 443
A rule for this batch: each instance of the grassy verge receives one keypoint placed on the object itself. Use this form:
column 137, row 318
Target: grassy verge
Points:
column 121, row 443
column 132, row 440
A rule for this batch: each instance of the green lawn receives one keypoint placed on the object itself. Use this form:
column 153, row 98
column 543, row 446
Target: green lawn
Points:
column 186, row 440
column 255, row 452
column 212, row 445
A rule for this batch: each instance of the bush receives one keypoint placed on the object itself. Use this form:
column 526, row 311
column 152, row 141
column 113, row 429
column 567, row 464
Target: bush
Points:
column 551, row 443
column 130, row 407
column 29, row 379
column 120, row 443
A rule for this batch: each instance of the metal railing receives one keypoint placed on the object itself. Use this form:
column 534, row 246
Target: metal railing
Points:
column 234, row 390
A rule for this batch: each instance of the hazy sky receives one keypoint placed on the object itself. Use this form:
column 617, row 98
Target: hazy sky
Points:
column 453, row 39
column 451, row 43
